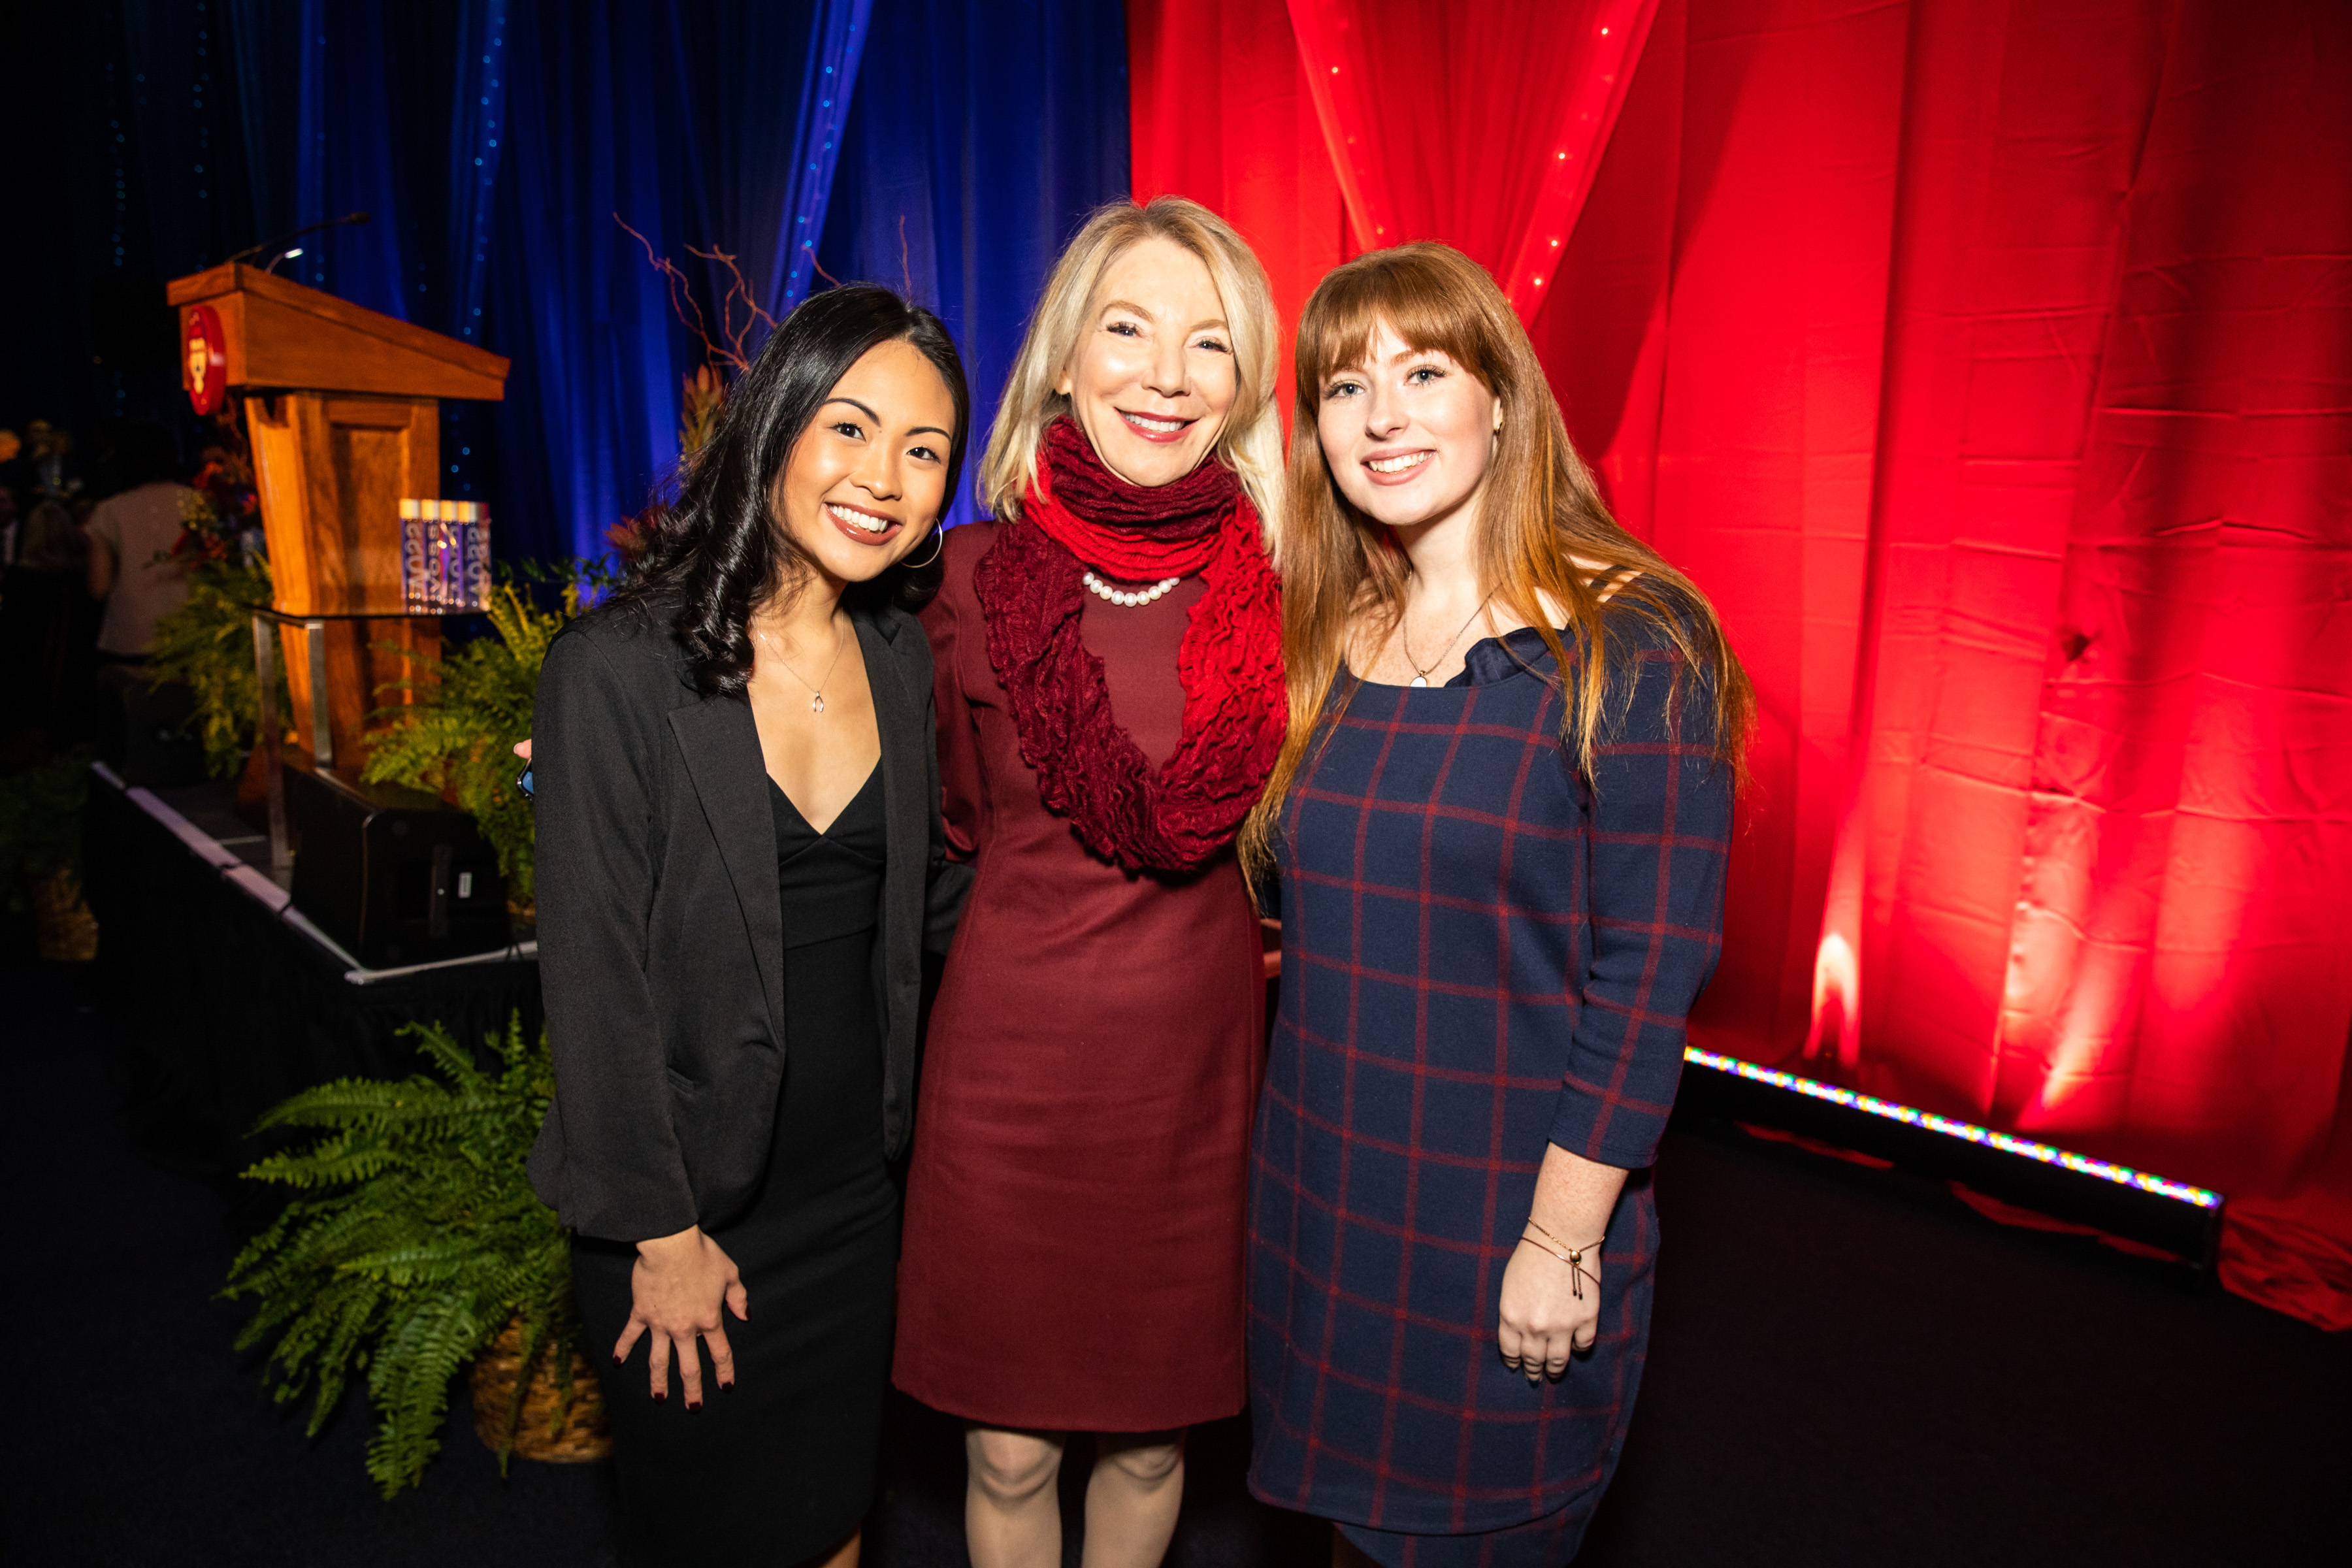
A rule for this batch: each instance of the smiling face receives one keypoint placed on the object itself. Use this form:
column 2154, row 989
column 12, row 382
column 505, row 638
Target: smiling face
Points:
column 1152, row 378
column 1408, row 434
column 866, row 481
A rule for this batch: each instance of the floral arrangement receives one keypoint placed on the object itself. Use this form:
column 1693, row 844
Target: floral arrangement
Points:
column 220, row 515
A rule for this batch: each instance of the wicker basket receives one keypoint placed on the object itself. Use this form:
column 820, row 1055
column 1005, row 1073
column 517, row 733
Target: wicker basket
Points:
column 583, row 1434
column 65, row 929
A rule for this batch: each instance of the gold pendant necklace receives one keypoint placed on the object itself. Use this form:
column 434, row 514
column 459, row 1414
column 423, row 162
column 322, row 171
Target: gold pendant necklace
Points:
column 1404, row 641
column 817, row 692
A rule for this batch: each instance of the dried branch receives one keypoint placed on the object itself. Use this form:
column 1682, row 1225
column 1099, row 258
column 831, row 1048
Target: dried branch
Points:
column 730, row 346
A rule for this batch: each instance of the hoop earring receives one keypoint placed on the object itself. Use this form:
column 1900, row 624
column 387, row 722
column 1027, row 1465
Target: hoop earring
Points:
column 938, row 543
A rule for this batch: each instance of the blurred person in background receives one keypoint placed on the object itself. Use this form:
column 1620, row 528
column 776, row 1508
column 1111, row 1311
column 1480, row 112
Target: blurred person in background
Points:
column 48, row 628
column 132, row 565
column 43, row 466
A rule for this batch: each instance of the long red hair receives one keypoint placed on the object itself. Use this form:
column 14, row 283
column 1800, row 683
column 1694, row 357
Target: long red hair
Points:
column 1545, row 535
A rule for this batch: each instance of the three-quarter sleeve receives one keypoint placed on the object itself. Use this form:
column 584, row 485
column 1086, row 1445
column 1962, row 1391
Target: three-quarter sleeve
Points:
column 1659, row 838
column 621, row 1174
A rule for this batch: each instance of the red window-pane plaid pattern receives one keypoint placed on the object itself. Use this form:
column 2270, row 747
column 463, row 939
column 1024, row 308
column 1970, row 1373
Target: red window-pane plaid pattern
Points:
column 1482, row 955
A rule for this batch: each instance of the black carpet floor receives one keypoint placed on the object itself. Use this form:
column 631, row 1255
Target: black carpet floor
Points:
column 1846, row 1368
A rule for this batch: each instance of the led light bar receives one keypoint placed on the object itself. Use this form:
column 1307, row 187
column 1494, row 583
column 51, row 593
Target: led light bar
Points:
column 1985, row 1137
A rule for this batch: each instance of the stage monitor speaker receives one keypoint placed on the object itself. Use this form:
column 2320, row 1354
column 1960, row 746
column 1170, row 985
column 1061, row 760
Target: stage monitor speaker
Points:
column 394, row 875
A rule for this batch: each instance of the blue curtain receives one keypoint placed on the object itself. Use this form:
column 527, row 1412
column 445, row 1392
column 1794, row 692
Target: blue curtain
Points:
column 981, row 137
column 590, row 413
column 477, row 134
column 492, row 142
column 669, row 118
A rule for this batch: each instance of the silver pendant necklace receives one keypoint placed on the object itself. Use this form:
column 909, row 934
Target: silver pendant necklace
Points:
column 817, row 692
column 1420, row 670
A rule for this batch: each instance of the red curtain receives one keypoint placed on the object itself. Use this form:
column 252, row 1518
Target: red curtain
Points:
column 1222, row 114
column 1480, row 125
column 1990, row 364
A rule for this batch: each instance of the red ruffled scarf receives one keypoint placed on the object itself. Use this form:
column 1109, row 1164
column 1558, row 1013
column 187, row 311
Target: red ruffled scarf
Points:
column 1080, row 514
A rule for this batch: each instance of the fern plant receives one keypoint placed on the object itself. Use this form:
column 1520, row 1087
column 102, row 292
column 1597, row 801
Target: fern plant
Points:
column 420, row 1239
column 466, row 710
column 207, row 643
column 40, row 823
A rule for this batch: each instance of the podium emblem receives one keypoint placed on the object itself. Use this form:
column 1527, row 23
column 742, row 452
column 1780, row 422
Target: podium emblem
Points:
column 205, row 363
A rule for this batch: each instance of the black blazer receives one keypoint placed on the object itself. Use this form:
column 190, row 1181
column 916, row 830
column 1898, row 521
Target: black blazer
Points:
column 661, row 938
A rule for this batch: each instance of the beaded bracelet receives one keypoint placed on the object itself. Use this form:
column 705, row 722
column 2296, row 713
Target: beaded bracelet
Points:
column 1571, row 1256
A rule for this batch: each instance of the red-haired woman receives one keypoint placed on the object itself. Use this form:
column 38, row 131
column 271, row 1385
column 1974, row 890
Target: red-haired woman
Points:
column 1501, row 817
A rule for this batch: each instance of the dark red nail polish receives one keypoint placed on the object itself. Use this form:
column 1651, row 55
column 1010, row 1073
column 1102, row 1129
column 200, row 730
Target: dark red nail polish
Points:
column 725, row 1388
column 658, row 1398
column 616, row 1361
column 694, row 1405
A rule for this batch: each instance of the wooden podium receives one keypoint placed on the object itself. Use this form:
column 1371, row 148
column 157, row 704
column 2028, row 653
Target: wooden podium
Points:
column 342, row 409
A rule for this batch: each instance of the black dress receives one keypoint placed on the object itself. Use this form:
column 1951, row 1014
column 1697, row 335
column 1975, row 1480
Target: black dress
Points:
column 782, row 1468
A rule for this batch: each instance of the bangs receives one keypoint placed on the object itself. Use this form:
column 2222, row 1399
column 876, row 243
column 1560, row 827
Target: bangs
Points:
column 1417, row 294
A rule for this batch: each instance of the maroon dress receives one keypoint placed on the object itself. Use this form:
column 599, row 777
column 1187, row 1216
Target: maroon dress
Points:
column 1075, row 1209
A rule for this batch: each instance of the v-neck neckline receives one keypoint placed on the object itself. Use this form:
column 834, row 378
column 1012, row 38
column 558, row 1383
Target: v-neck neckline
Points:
column 872, row 778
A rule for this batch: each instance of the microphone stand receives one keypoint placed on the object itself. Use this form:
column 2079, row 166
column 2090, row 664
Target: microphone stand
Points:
column 280, row 240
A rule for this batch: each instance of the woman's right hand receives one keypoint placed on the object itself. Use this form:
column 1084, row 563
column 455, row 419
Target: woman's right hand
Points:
column 675, row 1291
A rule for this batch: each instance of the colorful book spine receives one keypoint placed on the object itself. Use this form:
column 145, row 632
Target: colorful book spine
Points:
column 414, row 582
column 445, row 557
column 474, row 519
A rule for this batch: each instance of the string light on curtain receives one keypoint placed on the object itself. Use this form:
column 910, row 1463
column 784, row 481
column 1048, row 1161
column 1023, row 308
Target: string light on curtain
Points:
column 824, row 102
column 1432, row 172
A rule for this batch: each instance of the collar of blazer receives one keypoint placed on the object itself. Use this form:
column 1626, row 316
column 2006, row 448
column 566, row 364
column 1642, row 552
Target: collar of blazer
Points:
column 720, row 745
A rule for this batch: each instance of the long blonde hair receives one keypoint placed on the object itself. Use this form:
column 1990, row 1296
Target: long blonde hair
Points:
column 1541, row 512
column 1251, row 442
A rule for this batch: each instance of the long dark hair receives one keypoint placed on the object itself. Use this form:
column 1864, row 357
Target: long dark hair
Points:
column 718, row 546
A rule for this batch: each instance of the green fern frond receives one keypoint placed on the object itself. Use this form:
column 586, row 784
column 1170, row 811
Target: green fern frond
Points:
column 418, row 1236
column 457, row 1064
column 208, row 644
column 467, row 708
column 409, row 1384
column 354, row 1100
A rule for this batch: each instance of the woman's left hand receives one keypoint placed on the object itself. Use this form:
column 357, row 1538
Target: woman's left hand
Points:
column 1551, row 1310
column 1545, row 1316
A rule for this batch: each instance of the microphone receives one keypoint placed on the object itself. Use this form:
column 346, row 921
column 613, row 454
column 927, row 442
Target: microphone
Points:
column 296, row 234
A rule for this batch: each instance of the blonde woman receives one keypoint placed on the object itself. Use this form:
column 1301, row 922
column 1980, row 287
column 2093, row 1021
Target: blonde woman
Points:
column 1110, row 702
column 1501, row 817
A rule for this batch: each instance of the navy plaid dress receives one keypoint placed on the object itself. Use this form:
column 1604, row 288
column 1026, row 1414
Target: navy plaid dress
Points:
column 1481, row 955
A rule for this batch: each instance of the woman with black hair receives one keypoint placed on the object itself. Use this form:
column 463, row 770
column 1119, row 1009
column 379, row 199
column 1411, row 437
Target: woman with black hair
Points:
column 740, row 867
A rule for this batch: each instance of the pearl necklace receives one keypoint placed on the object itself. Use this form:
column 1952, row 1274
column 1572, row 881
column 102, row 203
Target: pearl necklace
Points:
column 1103, row 590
